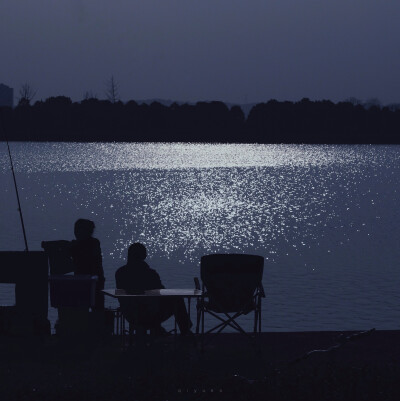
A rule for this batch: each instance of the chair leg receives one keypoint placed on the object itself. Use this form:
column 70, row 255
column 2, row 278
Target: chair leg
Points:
column 202, row 321
column 198, row 316
column 257, row 316
column 202, row 329
column 230, row 321
column 255, row 320
column 131, row 332
column 122, row 329
column 118, row 325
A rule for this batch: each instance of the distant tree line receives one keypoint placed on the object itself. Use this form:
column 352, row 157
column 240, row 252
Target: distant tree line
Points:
column 60, row 119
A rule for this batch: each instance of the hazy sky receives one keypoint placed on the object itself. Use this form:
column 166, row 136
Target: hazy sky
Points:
column 232, row 50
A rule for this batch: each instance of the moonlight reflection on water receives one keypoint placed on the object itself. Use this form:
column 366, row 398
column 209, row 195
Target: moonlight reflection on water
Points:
column 324, row 217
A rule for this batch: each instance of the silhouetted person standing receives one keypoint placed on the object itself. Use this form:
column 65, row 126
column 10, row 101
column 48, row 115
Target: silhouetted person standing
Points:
column 86, row 255
column 136, row 277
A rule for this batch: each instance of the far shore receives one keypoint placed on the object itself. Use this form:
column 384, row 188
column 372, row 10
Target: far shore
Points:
column 58, row 119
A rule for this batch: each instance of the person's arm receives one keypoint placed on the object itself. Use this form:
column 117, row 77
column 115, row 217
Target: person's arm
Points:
column 98, row 260
column 157, row 280
column 118, row 279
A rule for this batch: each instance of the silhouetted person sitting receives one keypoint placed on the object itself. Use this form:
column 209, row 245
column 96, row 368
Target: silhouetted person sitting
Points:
column 136, row 277
column 86, row 256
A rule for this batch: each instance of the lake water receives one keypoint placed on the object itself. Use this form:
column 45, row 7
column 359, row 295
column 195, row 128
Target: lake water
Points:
column 324, row 217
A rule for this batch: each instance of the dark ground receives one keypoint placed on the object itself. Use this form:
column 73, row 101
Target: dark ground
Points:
column 231, row 367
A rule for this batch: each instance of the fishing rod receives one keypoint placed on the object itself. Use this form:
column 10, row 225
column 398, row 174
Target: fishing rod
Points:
column 15, row 181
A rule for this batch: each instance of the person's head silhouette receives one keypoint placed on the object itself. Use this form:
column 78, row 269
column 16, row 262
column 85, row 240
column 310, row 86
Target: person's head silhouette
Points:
column 83, row 229
column 136, row 252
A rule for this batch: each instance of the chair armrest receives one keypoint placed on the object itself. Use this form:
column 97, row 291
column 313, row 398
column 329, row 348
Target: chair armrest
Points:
column 55, row 245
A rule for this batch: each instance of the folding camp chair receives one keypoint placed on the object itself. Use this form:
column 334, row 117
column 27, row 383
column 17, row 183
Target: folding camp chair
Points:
column 232, row 287
column 74, row 295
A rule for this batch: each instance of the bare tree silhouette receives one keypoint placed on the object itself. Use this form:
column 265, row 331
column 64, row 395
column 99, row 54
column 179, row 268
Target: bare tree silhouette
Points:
column 112, row 90
column 89, row 95
column 26, row 94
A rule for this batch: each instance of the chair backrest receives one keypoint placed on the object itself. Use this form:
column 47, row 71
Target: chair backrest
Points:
column 72, row 291
column 231, row 280
column 59, row 256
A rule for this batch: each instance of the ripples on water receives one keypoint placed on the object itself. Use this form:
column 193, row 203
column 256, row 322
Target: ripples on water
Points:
column 324, row 217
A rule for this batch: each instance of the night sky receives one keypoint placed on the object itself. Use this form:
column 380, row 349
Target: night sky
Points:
column 231, row 50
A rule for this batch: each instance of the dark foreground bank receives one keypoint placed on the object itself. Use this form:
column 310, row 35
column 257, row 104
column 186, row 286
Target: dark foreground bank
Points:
column 277, row 366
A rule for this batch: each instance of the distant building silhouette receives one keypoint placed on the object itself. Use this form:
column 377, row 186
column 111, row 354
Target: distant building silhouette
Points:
column 6, row 96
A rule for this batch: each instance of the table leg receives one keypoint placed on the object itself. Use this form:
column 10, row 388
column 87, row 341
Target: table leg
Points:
column 176, row 311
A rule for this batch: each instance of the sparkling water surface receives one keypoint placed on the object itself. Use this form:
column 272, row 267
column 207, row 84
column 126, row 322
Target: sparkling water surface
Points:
column 324, row 217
